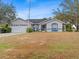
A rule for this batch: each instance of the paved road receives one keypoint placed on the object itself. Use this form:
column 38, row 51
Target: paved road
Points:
column 9, row 34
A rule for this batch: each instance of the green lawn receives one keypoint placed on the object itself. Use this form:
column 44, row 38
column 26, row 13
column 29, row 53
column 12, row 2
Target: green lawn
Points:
column 5, row 46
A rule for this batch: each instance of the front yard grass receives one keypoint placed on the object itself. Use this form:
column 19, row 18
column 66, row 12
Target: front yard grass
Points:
column 41, row 46
column 5, row 46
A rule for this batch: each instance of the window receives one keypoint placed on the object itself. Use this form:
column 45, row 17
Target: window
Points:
column 54, row 27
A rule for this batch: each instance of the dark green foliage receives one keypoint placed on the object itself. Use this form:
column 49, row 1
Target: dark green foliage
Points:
column 5, row 29
column 29, row 30
column 69, row 27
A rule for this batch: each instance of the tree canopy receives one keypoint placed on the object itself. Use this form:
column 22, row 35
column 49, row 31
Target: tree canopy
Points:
column 69, row 11
column 7, row 11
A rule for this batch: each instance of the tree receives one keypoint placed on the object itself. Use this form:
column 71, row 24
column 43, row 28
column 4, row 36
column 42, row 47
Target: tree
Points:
column 1, row 10
column 71, row 11
column 61, row 15
column 7, row 12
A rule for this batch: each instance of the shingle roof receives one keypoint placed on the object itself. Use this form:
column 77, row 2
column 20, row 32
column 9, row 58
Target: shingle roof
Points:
column 36, row 20
column 32, row 20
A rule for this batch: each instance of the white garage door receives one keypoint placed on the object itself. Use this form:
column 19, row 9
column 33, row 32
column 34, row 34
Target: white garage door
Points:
column 19, row 29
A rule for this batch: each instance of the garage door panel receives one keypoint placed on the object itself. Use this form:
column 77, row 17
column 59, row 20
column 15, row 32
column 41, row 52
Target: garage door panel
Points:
column 19, row 29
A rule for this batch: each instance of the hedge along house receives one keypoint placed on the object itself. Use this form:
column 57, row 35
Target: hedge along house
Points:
column 48, row 25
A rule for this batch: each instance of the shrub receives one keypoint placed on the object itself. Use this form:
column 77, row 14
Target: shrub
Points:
column 5, row 29
column 29, row 30
column 69, row 28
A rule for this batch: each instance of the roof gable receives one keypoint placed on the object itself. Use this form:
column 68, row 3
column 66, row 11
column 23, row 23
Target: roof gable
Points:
column 19, row 22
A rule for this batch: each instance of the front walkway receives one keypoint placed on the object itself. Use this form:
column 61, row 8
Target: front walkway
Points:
column 9, row 34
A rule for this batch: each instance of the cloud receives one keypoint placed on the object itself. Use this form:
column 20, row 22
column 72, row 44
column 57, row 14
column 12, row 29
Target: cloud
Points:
column 22, row 14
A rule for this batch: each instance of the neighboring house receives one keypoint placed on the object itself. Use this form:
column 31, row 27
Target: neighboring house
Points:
column 49, row 25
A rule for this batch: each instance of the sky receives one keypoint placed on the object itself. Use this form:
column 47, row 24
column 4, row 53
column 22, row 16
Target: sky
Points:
column 39, row 8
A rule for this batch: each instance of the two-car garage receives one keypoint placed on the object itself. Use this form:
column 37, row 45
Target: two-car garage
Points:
column 19, row 26
column 19, row 29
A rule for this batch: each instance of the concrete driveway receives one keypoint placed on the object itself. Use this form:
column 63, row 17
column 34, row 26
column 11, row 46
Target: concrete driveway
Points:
column 9, row 34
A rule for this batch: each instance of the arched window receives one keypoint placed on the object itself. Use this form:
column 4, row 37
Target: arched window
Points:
column 55, row 27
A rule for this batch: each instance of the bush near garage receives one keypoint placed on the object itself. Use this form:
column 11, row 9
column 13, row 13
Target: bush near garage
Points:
column 29, row 30
column 5, row 28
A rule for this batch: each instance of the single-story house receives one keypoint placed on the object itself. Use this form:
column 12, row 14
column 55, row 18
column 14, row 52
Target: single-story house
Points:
column 49, row 25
